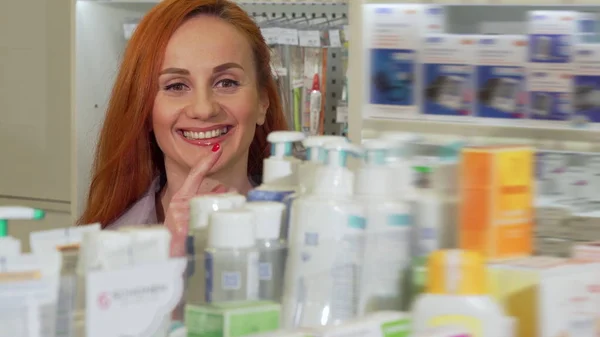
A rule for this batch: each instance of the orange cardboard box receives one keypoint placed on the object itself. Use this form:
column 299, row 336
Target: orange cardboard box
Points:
column 496, row 201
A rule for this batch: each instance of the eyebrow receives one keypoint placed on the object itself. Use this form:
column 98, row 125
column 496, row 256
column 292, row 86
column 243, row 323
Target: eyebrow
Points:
column 217, row 69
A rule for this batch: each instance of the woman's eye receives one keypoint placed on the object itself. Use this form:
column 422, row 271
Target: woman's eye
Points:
column 227, row 83
column 176, row 87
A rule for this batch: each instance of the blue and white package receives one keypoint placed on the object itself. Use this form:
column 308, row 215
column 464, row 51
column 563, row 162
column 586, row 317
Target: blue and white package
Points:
column 500, row 76
column 448, row 74
column 586, row 91
column 392, row 45
column 393, row 41
column 587, row 28
column 550, row 94
column 551, row 37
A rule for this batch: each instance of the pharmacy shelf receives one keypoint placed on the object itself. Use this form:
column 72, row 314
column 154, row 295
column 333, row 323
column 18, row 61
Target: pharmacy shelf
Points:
column 500, row 17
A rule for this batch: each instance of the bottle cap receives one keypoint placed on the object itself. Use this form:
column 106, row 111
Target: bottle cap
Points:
column 268, row 216
column 282, row 141
column 236, row 199
column 376, row 151
column 334, row 178
column 314, row 146
column 232, row 228
column 456, row 272
column 337, row 153
column 202, row 206
column 281, row 167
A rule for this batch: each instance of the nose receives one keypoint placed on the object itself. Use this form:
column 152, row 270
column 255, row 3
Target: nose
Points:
column 202, row 105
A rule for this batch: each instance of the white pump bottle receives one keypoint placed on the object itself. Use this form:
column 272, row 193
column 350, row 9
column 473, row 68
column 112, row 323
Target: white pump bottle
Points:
column 315, row 156
column 326, row 247
column 280, row 170
column 388, row 234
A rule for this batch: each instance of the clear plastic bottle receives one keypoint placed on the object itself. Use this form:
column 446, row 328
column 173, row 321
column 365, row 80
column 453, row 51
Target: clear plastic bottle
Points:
column 388, row 232
column 326, row 247
column 272, row 250
column 201, row 208
column 231, row 259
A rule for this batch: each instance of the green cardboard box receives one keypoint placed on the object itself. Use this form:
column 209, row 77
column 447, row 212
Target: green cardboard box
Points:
column 232, row 319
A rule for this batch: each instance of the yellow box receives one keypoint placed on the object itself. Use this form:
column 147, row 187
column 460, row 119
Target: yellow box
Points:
column 496, row 201
column 549, row 296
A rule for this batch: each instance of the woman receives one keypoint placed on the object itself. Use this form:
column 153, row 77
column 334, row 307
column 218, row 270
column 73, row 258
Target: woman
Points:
column 189, row 114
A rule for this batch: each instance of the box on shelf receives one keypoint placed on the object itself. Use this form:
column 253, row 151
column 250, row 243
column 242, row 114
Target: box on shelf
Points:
column 232, row 319
column 496, row 197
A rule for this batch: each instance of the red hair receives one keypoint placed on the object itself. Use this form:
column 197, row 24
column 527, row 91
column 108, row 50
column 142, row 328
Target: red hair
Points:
column 127, row 158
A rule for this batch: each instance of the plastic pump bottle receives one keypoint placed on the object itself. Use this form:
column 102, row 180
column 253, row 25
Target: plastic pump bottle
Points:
column 280, row 170
column 271, row 249
column 315, row 156
column 326, row 247
column 17, row 213
column 456, row 296
column 388, row 234
column 200, row 210
column 231, row 259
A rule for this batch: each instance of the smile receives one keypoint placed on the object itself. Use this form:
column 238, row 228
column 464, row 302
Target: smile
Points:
column 205, row 136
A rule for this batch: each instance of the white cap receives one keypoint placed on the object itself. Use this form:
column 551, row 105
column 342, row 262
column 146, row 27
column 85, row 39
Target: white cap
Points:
column 268, row 216
column 281, row 167
column 314, row 146
column 202, row 206
column 281, row 142
column 236, row 199
column 374, row 177
column 232, row 228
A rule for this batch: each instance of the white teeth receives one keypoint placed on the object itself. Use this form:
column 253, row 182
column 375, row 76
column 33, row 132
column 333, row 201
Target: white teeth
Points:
column 204, row 135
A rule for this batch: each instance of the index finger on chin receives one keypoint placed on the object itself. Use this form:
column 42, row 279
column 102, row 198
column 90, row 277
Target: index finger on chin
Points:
column 192, row 182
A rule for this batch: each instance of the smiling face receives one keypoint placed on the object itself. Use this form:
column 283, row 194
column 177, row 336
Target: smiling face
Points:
column 208, row 94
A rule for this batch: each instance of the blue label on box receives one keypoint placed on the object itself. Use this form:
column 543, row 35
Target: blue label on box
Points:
column 550, row 48
column 586, row 98
column 448, row 89
column 392, row 77
column 549, row 105
column 501, row 92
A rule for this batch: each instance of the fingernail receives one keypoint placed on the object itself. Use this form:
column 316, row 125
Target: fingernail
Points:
column 216, row 147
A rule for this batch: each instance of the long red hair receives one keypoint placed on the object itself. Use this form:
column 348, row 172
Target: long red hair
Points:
column 127, row 158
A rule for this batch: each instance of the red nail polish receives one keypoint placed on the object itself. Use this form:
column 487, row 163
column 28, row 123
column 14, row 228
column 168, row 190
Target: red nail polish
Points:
column 216, row 147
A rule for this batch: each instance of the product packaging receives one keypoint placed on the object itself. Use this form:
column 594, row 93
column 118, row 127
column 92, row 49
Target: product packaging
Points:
column 501, row 90
column 548, row 296
column 496, row 201
column 550, row 64
column 586, row 90
column 551, row 39
column 393, row 72
column 232, row 319
column 448, row 75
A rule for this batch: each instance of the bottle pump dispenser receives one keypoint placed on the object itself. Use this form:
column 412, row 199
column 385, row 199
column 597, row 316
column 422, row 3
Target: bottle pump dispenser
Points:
column 17, row 213
column 280, row 170
column 281, row 166
column 315, row 156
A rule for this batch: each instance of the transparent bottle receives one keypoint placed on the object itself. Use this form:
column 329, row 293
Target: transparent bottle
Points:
column 201, row 208
column 231, row 257
column 272, row 250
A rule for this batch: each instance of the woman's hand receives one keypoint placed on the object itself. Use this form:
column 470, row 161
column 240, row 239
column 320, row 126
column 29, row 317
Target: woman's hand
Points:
column 178, row 213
